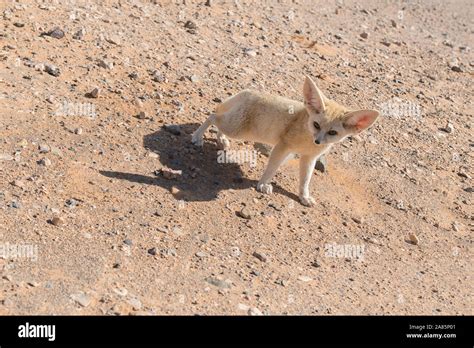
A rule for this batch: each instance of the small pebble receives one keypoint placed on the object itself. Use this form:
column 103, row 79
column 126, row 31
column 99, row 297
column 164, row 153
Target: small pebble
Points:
column 81, row 298
column 52, row 69
column 254, row 311
column 449, row 128
column 245, row 213
column 94, row 93
column 261, row 256
column 56, row 33
column 43, row 148
column 173, row 129
column 45, row 162
column 413, row 239
column 305, row 278
column 57, row 221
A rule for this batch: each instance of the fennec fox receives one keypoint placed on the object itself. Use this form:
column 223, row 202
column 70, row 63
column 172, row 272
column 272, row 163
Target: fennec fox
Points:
column 308, row 129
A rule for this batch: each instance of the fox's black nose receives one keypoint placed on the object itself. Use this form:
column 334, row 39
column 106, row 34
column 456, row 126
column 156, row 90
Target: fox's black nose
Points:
column 316, row 141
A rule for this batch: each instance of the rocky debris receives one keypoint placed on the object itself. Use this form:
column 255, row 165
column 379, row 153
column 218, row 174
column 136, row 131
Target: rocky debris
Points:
column 174, row 190
column 250, row 52
column 245, row 213
column 81, row 298
column 94, row 93
column 173, row 129
column 201, row 254
column 321, row 164
column 305, row 279
column 260, row 255
column 243, row 307
column 44, row 148
column 235, row 251
column 254, row 311
column 135, row 303
column 449, row 128
column 52, row 69
column 141, row 115
column 275, row 206
column 56, row 33
column 190, row 27
column 456, row 226
column 105, row 64
column 413, row 239
column 6, row 157
column 71, row 203
column 18, row 183
column 57, row 221
column 264, row 149
column 223, row 284
column 22, row 143
column 456, row 68
column 169, row 173
column 168, row 252
column 15, row 205
column 122, row 292
column 114, row 40
column 44, row 162
column 79, row 35
column 158, row 76
column 194, row 78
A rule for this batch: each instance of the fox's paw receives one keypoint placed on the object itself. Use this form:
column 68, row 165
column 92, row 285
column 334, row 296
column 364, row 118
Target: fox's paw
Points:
column 307, row 201
column 224, row 143
column 265, row 188
column 197, row 140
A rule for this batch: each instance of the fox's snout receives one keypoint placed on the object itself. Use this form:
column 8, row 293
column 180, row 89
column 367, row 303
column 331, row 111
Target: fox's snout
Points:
column 319, row 138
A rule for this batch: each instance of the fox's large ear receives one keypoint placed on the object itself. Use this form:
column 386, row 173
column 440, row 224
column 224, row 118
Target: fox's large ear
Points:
column 313, row 97
column 359, row 120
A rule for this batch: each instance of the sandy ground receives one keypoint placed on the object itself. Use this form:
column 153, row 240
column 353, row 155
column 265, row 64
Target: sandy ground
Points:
column 89, row 224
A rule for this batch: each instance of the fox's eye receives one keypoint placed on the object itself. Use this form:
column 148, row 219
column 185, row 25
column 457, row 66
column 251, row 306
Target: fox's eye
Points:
column 316, row 125
column 332, row 132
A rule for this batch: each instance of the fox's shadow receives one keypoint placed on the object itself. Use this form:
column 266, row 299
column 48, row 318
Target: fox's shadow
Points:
column 202, row 176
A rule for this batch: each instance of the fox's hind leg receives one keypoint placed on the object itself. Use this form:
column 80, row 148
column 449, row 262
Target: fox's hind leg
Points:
column 197, row 137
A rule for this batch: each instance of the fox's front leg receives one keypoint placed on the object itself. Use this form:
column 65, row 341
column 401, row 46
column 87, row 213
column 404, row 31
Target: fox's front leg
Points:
column 279, row 153
column 306, row 171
